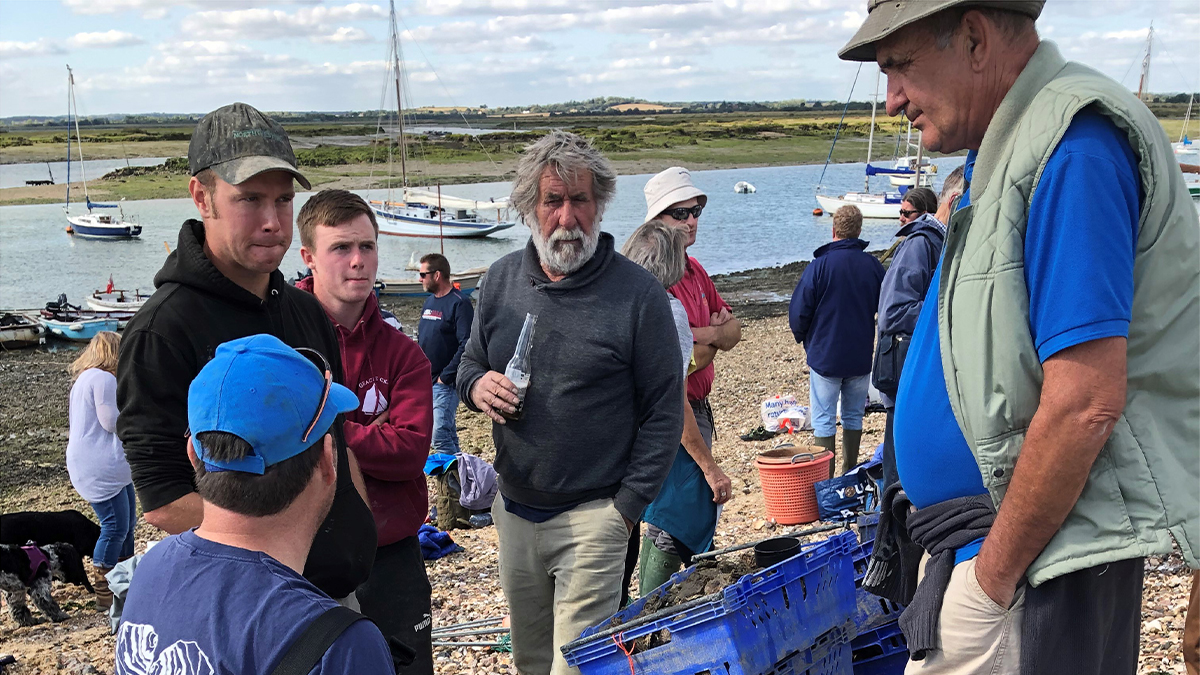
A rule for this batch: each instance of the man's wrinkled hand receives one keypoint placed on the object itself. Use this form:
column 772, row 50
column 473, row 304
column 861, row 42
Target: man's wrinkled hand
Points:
column 722, row 487
column 1000, row 590
column 493, row 394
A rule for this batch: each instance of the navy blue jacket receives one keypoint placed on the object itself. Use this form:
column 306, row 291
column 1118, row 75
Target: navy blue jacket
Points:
column 907, row 278
column 833, row 308
column 443, row 331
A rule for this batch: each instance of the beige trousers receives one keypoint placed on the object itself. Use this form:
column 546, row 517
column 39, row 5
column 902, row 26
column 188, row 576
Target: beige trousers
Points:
column 559, row 577
column 976, row 636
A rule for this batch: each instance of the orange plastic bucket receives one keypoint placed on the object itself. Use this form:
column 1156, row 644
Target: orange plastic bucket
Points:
column 787, row 476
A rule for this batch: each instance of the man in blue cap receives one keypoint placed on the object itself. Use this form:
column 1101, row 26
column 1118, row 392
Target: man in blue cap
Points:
column 228, row 596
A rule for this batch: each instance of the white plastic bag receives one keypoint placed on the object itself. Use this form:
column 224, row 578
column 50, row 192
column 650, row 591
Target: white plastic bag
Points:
column 795, row 419
column 773, row 407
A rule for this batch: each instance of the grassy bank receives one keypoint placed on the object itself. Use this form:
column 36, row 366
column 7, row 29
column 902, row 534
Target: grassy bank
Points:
column 634, row 144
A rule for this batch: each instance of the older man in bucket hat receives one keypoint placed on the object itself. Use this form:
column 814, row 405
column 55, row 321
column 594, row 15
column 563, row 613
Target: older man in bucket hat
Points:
column 222, row 282
column 1049, row 412
column 673, row 198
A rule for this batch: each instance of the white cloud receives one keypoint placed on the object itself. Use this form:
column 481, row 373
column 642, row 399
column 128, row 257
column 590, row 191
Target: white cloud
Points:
column 157, row 9
column 40, row 47
column 106, row 39
column 315, row 23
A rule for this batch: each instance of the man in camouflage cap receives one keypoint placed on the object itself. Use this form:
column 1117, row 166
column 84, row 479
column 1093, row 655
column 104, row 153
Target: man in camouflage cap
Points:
column 1047, row 426
column 222, row 282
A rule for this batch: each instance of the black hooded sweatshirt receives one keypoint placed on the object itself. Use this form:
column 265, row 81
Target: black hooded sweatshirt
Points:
column 194, row 309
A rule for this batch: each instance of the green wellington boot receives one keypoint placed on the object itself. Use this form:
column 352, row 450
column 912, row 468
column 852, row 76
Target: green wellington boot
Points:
column 655, row 567
column 851, row 439
column 829, row 443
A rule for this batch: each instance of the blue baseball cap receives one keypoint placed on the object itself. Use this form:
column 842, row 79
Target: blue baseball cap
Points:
column 269, row 395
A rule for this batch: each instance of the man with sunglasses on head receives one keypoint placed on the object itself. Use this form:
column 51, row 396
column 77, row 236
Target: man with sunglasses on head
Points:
column 221, row 283
column 227, row 596
column 445, row 326
column 671, row 197
column 388, row 432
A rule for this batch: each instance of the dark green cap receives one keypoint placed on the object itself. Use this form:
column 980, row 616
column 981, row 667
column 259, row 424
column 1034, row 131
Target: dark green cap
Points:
column 238, row 142
column 885, row 17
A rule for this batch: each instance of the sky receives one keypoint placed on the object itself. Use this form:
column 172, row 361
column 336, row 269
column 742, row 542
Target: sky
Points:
column 191, row 56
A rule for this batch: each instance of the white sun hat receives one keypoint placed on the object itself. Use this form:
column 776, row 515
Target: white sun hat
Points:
column 671, row 186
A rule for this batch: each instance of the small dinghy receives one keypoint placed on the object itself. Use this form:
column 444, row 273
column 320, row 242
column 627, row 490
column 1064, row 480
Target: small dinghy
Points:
column 17, row 332
column 117, row 300
column 744, row 188
column 64, row 316
column 466, row 282
column 81, row 330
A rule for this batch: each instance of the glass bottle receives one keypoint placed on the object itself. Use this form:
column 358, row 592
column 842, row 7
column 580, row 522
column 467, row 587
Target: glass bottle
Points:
column 518, row 370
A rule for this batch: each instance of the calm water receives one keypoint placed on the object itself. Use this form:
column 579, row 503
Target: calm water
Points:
column 38, row 260
column 15, row 175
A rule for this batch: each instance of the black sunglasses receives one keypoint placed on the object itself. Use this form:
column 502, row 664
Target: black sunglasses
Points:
column 908, row 214
column 425, row 274
column 680, row 213
column 320, row 362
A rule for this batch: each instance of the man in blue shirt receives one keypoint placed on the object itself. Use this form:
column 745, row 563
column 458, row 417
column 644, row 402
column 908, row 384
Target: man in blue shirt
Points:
column 228, row 596
column 443, row 332
column 1022, row 414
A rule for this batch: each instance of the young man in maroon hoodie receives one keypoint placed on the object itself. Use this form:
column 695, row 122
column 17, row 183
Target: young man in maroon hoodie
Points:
column 389, row 434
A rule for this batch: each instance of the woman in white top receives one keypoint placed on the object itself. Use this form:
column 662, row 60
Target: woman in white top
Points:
column 681, row 521
column 96, row 458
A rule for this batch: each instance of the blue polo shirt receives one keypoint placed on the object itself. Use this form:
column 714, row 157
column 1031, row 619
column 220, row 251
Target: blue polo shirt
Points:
column 1079, row 249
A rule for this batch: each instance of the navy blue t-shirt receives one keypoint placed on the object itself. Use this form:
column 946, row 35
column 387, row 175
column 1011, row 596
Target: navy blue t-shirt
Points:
column 1079, row 249
column 443, row 332
column 197, row 607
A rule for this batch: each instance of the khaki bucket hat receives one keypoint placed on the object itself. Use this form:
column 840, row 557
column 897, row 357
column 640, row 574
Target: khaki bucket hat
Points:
column 668, row 187
column 885, row 17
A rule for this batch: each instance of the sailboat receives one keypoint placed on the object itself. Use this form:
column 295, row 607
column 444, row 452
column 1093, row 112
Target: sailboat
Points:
column 878, row 205
column 1187, row 153
column 429, row 213
column 90, row 225
column 904, row 172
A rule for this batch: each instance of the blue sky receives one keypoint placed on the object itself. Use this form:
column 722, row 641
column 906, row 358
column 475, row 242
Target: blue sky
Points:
column 194, row 55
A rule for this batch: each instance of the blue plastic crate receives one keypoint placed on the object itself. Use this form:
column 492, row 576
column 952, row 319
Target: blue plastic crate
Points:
column 882, row 651
column 746, row 630
column 829, row 655
column 867, row 524
column 872, row 611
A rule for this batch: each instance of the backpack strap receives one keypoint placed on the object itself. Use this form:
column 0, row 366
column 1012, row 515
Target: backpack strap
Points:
column 308, row 649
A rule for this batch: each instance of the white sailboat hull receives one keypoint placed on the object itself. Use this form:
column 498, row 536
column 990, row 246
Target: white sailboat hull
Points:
column 405, row 223
column 872, row 206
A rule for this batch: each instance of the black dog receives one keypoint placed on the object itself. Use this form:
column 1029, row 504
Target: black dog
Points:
column 20, row 575
column 50, row 527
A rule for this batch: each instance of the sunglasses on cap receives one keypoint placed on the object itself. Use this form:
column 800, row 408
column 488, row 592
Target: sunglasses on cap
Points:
column 681, row 213
column 321, row 362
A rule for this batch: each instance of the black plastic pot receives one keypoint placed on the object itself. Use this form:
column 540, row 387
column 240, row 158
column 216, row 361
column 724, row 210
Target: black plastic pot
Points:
column 774, row 551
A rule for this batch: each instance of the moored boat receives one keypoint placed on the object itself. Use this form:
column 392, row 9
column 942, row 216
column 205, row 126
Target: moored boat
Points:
column 117, row 300
column 744, row 188
column 878, row 206
column 466, row 282
column 79, row 330
column 64, row 312
column 17, row 331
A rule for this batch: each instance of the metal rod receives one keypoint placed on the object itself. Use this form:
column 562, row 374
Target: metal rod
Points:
column 468, row 644
column 464, row 633
column 643, row 620
column 469, row 624
column 742, row 547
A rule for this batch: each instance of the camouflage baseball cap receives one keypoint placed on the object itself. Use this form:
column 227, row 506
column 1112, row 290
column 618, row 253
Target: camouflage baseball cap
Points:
column 885, row 17
column 238, row 142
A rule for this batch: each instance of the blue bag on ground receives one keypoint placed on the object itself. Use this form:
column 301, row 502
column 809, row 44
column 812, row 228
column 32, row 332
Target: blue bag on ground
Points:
column 847, row 496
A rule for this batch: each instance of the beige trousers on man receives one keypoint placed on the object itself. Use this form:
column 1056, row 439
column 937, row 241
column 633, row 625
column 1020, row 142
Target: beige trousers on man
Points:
column 976, row 636
column 559, row 577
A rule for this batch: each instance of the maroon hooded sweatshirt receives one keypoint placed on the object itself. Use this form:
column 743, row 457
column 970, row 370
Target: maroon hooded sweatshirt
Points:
column 388, row 371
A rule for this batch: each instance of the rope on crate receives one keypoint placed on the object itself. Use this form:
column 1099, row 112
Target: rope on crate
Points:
column 619, row 638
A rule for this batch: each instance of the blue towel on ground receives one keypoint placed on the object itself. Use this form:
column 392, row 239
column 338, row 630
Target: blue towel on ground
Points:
column 435, row 543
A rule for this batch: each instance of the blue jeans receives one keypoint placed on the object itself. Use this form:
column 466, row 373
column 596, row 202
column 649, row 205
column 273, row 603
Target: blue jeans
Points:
column 823, row 402
column 445, row 423
column 118, row 516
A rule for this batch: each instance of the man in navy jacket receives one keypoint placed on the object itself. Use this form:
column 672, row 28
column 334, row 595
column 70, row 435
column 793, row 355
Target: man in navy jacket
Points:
column 833, row 315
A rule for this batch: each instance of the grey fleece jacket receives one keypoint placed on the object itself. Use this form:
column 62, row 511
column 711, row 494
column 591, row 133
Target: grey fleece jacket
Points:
column 603, row 414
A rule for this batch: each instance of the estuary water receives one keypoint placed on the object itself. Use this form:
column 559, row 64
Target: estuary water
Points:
column 774, row 226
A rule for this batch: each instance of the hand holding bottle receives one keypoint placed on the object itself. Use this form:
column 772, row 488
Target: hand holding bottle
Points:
column 495, row 395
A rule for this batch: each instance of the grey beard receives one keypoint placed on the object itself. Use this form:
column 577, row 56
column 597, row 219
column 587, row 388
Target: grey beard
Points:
column 560, row 257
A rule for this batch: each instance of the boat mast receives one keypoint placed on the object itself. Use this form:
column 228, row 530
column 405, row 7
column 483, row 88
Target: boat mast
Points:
column 70, row 80
column 1144, row 83
column 871, row 136
column 1187, row 116
column 919, row 149
column 78, row 137
column 399, row 96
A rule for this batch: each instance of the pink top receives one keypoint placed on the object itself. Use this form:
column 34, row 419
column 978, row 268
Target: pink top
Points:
column 701, row 300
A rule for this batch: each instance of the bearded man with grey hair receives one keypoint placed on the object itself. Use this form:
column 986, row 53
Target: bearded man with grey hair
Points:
column 602, row 415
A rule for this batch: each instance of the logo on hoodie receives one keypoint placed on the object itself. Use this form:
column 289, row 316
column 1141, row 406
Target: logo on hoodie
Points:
column 374, row 402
